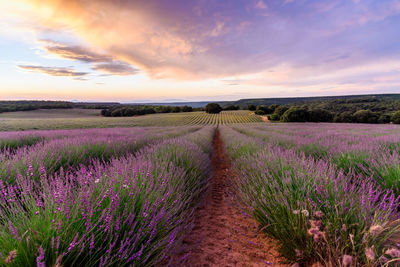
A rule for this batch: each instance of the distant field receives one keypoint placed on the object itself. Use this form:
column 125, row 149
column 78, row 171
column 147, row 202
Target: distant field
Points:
column 89, row 118
column 51, row 113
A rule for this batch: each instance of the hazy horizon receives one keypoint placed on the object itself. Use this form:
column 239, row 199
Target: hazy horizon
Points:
column 166, row 101
column 203, row 50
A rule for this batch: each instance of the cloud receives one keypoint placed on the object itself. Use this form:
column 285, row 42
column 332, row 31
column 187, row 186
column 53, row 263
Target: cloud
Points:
column 103, row 63
column 207, row 39
column 74, row 52
column 53, row 71
column 232, row 81
column 219, row 27
column 116, row 68
column 261, row 5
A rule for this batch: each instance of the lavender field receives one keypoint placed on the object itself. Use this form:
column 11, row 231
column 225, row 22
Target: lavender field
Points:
column 99, row 197
column 328, row 192
column 325, row 193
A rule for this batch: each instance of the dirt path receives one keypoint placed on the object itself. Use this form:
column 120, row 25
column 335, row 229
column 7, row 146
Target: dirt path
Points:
column 222, row 235
column 265, row 119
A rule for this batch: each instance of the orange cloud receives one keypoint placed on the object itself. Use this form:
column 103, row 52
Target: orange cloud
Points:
column 125, row 31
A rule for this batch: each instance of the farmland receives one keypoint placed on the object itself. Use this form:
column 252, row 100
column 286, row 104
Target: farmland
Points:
column 83, row 118
column 143, row 196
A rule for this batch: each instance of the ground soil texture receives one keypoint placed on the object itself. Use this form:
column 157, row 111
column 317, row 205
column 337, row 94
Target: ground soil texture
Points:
column 223, row 235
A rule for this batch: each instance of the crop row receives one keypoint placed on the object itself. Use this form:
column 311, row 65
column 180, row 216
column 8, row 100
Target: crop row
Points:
column 225, row 117
column 357, row 148
column 65, row 150
column 314, row 208
column 129, row 210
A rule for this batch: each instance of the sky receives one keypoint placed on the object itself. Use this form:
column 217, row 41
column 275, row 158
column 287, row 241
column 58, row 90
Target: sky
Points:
column 197, row 50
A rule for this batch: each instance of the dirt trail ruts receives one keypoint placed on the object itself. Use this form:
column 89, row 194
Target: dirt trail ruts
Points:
column 222, row 234
column 265, row 119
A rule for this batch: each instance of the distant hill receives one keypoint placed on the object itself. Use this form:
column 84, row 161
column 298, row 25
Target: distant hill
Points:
column 243, row 103
column 181, row 104
column 325, row 101
column 305, row 100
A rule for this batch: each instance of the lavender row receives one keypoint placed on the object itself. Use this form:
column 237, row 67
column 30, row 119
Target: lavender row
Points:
column 132, row 211
column 369, row 151
column 10, row 141
column 69, row 149
column 315, row 211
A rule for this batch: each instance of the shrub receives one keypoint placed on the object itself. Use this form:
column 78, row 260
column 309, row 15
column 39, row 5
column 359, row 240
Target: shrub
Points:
column 275, row 117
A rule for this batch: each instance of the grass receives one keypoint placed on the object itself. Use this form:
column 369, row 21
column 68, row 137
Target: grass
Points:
column 78, row 118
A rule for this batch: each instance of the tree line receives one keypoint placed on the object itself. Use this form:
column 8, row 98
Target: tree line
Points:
column 137, row 110
column 10, row 106
column 314, row 113
column 28, row 105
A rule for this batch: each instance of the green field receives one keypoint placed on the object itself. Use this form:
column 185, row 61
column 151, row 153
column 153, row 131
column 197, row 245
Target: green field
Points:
column 89, row 118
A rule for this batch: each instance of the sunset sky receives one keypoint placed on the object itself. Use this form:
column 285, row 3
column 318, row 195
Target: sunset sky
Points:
column 185, row 50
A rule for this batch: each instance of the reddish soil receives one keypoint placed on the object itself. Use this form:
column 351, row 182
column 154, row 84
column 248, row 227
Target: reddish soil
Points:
column 222, row 234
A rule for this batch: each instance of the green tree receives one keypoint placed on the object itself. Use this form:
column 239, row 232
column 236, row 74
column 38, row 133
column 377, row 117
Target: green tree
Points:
column 295, row 115
column 384, row 118
column 273, row 107
column 213, row 108
column 275, row 117
column 365, row 116
column 344, row 117
column 320, row 115
column 280, row 110
column 263, row 109
column 232, row 107
column 187, row 109
column 251, row 107
column 176, row 109
column 396, row 117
